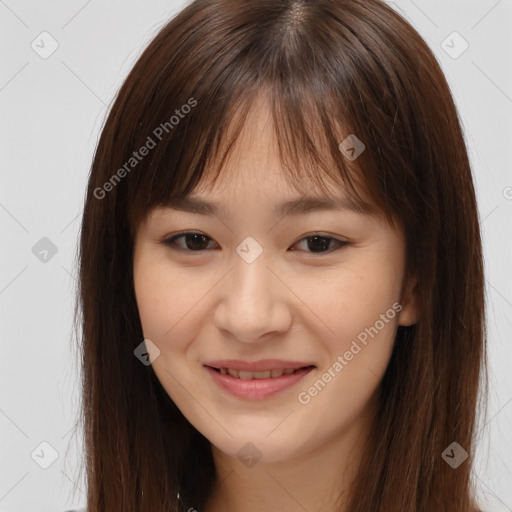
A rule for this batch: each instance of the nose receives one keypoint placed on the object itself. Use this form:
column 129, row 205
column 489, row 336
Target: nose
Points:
column 253, row 303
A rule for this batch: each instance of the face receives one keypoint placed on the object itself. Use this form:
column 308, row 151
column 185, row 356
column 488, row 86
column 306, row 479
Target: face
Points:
column 318, row 290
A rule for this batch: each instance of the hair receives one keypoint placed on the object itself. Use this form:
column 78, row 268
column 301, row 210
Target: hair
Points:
column 327, row 68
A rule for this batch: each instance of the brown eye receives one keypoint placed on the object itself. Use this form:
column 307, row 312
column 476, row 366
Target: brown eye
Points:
column 320, row 244
column 194, row 242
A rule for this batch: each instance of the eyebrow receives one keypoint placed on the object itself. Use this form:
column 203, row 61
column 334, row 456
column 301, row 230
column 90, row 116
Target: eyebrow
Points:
column 300, row 206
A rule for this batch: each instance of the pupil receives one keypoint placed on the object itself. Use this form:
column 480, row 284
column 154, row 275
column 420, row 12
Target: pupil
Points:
column 324, row 244
column 194, row 237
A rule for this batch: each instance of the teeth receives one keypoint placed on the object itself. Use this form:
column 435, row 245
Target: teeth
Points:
column 262, row 375
column 242, row 374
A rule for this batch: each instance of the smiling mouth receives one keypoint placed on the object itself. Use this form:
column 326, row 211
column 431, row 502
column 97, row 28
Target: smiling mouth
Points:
column 257, row 385
column 267, row 374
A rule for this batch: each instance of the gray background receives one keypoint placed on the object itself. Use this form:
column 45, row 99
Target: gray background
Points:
column 52, row 110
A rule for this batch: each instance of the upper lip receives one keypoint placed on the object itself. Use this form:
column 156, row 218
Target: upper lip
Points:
column 256, row 366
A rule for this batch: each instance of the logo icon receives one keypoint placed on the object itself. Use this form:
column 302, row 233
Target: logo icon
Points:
column 44, row 45
column 147, row 352
column 454, row 45
column 352, row 147
column 44, row 455
column 249, row 250
column 454, row 455
column 44, row 250
column 249, row 455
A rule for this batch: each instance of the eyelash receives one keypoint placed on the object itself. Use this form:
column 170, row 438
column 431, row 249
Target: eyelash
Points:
column 171, row 242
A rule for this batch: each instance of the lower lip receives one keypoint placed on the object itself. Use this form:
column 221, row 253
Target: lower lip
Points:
column 257, row 389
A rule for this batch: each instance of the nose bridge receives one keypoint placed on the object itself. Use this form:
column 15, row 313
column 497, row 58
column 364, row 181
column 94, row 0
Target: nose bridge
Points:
column 252, row 303
column 251, row 283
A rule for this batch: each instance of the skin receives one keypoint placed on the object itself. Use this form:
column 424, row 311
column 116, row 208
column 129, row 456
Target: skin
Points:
column 288, row 304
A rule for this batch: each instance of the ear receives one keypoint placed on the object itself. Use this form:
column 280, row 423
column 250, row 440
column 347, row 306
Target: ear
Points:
column 409, row 314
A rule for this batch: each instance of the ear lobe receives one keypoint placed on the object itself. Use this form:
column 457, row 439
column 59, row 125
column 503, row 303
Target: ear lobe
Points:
column 409, row 314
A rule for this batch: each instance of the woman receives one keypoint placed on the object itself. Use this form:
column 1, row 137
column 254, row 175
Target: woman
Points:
column 281, row 279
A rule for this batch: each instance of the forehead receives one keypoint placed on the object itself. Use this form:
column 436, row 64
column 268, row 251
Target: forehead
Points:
column 268, row 186
column 252, row 154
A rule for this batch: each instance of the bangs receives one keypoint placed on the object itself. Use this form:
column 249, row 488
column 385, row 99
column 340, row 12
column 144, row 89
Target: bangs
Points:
column 318, row 111
column 309, row 140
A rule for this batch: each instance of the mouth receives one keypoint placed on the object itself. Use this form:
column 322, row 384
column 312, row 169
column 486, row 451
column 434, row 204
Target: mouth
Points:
column 257, row 384
column 266, row 374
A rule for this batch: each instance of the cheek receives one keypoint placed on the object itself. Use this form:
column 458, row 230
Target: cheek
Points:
column 355, row 301
column 156, row 295
column 170, row 303
column 363, row 320
column 152, row 301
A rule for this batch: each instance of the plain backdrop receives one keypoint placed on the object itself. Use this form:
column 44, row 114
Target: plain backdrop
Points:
column 52, row 110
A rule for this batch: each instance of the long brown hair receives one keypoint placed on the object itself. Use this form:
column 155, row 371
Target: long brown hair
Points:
column 329, row 68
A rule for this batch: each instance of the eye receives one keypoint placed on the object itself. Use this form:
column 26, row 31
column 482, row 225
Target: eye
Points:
column 194, row 242
column 197, row 242
column 319, row 243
